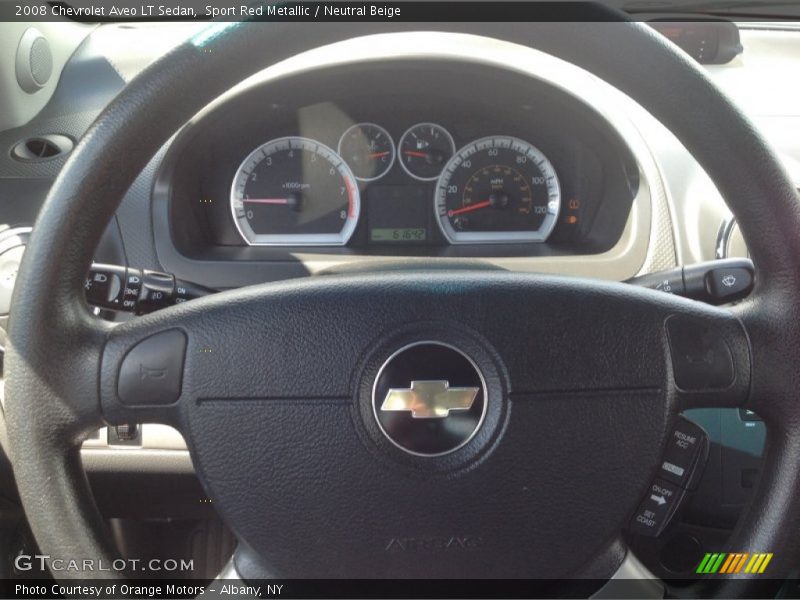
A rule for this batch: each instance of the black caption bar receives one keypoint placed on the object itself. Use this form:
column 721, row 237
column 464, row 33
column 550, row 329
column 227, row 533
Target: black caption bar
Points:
column 98, row 11
column 327, row 588
column 322, row 12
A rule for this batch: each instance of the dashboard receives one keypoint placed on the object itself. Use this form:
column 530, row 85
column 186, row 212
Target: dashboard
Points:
column 420, row 158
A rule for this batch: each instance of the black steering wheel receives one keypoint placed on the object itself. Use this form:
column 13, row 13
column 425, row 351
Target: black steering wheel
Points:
column 272, row 385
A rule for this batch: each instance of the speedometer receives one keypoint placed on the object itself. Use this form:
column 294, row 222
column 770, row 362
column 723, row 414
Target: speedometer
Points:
column 498, row 189
column 295, row 191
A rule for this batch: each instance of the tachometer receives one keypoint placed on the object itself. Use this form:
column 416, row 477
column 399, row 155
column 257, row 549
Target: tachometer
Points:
column 497, row 189
column 295, row 191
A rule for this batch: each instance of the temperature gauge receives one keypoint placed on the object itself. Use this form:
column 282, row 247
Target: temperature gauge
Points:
column 368, row 150
column 425, row 149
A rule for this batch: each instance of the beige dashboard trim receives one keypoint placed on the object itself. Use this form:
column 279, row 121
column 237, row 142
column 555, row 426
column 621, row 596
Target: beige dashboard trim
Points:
column 136, row 460
column 162, row 450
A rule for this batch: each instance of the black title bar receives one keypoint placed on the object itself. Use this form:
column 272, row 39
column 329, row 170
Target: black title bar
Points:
column 322, row 12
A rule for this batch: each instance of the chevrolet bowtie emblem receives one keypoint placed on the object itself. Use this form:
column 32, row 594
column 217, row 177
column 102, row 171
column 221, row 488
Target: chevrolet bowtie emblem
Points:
column 429, row 399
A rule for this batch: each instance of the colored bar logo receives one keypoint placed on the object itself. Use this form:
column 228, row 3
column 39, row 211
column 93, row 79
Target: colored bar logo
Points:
column 734, row 562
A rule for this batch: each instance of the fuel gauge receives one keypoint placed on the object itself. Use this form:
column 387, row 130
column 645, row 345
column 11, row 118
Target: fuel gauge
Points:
column 425, row 149
column 368, row 150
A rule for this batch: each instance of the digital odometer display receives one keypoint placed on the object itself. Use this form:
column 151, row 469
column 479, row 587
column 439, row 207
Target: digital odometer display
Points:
column 498, row 189
column 402, row 234
column 398, row 214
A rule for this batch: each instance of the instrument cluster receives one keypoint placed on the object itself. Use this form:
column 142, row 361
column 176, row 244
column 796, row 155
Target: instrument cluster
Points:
column 417, row 160
column 297, row 191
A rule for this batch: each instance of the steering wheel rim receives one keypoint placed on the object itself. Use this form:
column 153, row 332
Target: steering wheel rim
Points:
column 51, row 408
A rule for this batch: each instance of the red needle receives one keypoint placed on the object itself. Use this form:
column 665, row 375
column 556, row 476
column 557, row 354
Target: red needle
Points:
column 414, row 153
column 378, row 154
column 267, row 200
column 470, row 208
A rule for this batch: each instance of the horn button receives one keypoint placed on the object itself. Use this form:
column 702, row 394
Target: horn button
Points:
column 429, row 399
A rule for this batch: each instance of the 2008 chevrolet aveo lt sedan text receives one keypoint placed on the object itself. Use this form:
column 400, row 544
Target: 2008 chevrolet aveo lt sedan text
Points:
column 382, row 307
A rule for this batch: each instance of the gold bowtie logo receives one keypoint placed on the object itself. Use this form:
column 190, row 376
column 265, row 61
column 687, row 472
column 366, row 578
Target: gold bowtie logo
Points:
column 429, row 399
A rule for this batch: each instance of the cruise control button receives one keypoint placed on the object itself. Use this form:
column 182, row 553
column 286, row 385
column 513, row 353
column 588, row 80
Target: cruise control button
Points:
column 686, row 446
column 152, row 371
column 656, row 509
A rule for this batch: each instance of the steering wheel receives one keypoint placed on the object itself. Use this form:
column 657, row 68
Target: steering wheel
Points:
column 559, row 415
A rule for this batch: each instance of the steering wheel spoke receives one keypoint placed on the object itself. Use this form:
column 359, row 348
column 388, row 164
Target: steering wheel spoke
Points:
column 710, row 358
column 143, row 370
